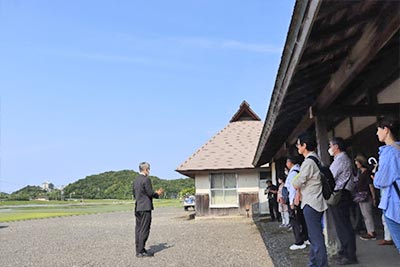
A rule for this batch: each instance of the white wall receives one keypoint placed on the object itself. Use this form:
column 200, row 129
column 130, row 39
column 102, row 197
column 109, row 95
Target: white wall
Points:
column 202, row 183
column 390, row 94
column 248, row 181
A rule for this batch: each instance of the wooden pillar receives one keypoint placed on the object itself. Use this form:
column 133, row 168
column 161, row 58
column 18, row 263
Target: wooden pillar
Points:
column 322, row 139
column 331, row 240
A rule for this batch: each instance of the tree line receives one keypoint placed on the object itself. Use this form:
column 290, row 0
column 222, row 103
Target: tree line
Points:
column 108, row 185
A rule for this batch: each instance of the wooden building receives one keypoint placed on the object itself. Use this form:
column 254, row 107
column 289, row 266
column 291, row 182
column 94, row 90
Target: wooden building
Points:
column 226, row 181
column 339, row 72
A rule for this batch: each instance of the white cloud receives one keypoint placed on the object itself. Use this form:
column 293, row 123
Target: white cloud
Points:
column 200, row 42
column 231, row 44
column 104, row 57
column 146, row 61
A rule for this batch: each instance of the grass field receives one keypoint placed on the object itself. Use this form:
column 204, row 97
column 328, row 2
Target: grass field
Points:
column 27, row 210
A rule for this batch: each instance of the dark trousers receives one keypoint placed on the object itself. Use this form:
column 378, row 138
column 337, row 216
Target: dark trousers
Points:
column 273, row 209
column 317, row 256
column 298, row 225
column 142, row 229
column 344, row 229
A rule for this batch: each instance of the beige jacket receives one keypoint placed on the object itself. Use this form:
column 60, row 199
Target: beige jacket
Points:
column 309, row 181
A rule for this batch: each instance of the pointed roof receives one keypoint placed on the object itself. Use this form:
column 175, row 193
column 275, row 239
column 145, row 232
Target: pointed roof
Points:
column 245, row 113
column 233, row 147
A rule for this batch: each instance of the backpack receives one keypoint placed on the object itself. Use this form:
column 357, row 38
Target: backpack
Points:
column 285, row 194
column 327, row 180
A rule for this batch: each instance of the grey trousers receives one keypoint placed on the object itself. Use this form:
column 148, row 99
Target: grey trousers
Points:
column 366, row 211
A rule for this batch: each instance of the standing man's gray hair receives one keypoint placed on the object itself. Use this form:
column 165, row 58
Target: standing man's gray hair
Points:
column 144, row 166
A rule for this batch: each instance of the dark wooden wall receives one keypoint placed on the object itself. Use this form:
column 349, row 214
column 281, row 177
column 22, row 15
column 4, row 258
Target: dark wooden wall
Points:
column 250, row 199
column 202, row 204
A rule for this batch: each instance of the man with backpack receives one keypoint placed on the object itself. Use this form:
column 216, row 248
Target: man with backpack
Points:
column 312, row 202
column 296, row 216
column 341, row 169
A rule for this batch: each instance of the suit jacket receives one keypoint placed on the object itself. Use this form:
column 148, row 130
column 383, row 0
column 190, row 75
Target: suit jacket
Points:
column 143, row 193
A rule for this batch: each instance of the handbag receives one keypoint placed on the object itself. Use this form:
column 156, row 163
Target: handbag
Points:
column 360, row 196
column 335, row 198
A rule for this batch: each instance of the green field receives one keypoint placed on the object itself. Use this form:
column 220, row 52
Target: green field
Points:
column 27, row 210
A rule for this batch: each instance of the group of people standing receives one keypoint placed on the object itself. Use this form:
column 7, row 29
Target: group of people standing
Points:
column 306, row 204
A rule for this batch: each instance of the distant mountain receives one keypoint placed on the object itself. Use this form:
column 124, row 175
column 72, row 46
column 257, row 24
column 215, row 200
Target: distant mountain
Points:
column 118, row 185
column 28, row 192
column 3, row 194
column 107, row 185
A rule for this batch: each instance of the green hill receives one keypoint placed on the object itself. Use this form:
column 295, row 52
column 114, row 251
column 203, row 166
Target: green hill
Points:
column 107, row 185
column 26, row 193
column 118, row 185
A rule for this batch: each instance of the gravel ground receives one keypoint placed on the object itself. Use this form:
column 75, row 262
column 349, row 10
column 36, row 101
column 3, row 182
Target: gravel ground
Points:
column 108, row 240
column 277, row 240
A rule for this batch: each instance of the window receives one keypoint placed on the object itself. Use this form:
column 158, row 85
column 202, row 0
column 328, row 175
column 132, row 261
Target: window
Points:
column 223, row 189
column 264, row 175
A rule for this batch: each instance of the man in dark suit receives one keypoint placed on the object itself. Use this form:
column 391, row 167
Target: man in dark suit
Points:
column 144, row 194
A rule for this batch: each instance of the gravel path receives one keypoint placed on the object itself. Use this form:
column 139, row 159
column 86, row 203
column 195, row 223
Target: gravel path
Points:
column 108, row 240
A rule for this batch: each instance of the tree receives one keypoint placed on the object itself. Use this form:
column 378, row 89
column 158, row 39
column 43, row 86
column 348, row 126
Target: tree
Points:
column 187, row 191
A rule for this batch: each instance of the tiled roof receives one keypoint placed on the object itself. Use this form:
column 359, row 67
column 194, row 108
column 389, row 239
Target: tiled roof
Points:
column 233, row 147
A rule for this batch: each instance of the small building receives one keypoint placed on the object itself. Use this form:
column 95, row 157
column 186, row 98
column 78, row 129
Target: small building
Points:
column 42, row 198
column 47, row 186
column 226, row 181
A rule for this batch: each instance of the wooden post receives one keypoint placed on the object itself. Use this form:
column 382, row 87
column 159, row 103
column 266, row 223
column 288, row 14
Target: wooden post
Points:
column 331, row 240
column 322, row 139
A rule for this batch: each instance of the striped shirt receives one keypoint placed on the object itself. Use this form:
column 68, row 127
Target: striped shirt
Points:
column 341, row 169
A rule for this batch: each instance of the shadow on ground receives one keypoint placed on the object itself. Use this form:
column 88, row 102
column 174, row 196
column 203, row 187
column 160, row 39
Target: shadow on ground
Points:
column 160, row 247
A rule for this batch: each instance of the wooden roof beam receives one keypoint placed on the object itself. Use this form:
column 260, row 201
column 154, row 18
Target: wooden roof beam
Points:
column 376, row 34
column 362, row 110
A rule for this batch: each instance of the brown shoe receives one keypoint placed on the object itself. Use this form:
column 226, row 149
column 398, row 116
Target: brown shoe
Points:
column 384, row 242
column 368, row 237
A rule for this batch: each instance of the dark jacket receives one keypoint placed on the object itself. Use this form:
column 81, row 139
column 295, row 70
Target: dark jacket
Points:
column 143, row 193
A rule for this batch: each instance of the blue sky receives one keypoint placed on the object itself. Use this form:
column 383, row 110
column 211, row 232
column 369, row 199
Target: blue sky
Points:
column 93, row 86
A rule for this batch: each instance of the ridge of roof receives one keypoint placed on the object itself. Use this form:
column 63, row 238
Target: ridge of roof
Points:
column 244, row 110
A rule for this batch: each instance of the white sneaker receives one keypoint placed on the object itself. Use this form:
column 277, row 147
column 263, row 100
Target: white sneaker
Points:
column 307, row 242
column 296, row 247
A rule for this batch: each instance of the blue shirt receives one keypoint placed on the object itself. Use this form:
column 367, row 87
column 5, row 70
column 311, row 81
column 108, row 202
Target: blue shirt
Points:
column 292, row 191
column 387, row 174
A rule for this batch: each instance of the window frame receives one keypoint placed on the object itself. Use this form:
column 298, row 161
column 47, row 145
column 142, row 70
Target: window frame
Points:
column 227, row 205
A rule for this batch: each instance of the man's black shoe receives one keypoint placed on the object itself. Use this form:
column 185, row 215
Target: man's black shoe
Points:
column 145, row 254
column 346, row 261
